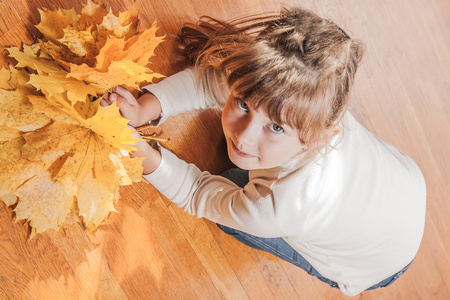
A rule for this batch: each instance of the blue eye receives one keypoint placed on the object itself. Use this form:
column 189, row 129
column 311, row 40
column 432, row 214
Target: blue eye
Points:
column 242, row 105
column 275, row 128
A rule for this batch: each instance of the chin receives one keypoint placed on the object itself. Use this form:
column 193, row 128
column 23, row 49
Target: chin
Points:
column 238, row 162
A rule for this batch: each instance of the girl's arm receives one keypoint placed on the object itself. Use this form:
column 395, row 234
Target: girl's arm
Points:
column 214, row 197
column 182, row 92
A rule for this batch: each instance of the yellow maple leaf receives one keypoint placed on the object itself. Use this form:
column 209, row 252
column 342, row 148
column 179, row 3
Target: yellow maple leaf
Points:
column 141, row 47
column 53, row 22
column 71, row 154
column 14, row 172
column 44, row 202
column 130, row 18
column 62, row 55
column 120, row 62
column 117, row 133
column 5, row 76
column 92, row 13
column 105, row 122
column 57, row 82
column 63, row 156
column 19, row 80
column 79, row 42
column 125, row 72
column 28, row 58
column 8, row 147
column 111, row 27
column 8, row 133
column 73, row 150
column 17, row 112
column 9, row 199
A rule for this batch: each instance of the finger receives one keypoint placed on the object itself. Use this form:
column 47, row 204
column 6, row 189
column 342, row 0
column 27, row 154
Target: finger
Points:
column 105, row 99
column 121, row 103
column 105, row 95
column 104, row 102
column 126, row 94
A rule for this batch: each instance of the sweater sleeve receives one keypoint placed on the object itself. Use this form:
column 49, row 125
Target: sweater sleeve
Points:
column 182, row 92
column 213, row 197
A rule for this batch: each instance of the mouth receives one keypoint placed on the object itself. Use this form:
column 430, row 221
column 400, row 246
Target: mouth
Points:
column 239, row 153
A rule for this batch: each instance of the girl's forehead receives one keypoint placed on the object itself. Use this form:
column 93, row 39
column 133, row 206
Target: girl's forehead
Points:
column 280, row 106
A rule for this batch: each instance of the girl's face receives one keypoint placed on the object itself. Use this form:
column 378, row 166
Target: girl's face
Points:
column 253, row 140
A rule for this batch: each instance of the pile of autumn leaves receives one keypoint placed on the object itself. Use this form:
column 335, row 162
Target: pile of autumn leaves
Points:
column 62, row 156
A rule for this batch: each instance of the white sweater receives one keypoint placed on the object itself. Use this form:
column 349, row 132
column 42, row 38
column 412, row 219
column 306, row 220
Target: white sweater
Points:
column 356, row 214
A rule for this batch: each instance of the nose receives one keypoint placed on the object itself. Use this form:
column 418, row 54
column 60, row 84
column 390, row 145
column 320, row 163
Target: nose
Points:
column 246, row 132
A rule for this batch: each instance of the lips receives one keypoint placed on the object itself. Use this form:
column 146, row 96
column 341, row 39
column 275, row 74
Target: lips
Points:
column 239, row 153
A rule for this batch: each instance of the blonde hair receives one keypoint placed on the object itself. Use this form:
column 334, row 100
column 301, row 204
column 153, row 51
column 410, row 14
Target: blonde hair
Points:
column 295, row 65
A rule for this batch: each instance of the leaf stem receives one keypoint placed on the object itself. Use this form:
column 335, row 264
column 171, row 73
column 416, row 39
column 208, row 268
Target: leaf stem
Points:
column 153, row 137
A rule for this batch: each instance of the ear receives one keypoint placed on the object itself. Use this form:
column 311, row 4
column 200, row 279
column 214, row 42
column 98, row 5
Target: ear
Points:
column 326, row 135
column 330, row 132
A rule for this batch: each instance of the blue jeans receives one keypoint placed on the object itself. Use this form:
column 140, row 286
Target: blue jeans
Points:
column 278, row 247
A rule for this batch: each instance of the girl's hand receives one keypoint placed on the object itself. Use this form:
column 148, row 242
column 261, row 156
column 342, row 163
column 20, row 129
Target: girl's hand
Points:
column 127, row 103
column 152, row 156
column 146, row 108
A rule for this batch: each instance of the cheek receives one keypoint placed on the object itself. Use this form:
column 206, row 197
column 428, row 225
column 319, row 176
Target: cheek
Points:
column 228, row 119
column 271, row 154
column 225, row 121
column 277, row 153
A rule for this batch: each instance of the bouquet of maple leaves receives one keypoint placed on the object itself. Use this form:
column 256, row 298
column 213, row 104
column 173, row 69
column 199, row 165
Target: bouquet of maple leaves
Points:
column 62, row 155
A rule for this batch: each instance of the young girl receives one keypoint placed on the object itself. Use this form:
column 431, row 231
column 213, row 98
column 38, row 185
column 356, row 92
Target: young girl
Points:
column 312, row 186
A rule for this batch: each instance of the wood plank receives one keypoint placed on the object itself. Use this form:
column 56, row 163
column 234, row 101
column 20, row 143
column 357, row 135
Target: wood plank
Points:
column 174, row 254
column 210, row 254
column 242, row 260
column 151, row 249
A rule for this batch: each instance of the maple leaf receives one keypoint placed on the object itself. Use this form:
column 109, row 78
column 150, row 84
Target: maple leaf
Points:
column 5, row 76
column 92, row 13
column 125, row 72
column 130, row 18
column 138, row 49
column 120, row 62
column 17, row 112
column 111, row 25
column 80, row 158
column 8, row 134
column 63, row 156
column 28, row 59
column 53, row 22
column 81, row 43
column 7, row 148
column 44, row 202
column 57, row 82
column 15, row 172
column 62, row 55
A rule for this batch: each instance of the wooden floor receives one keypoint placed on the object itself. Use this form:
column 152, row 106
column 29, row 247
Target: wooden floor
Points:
column 151, row 249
